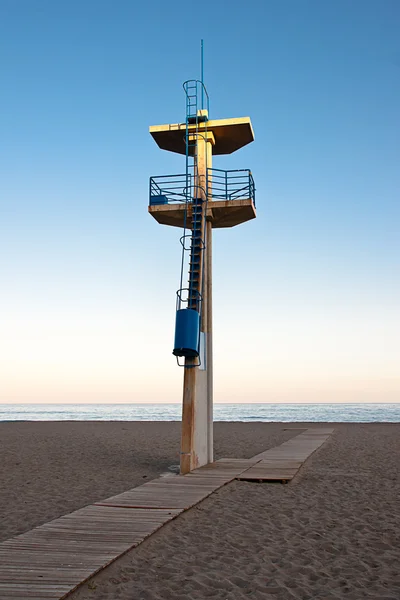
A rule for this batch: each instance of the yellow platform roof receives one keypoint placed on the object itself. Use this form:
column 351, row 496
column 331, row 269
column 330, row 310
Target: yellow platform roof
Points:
column 229, row 134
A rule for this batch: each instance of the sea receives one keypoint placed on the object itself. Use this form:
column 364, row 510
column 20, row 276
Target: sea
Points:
column 348, row 413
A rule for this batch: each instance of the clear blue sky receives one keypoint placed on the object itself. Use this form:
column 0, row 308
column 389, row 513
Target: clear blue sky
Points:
column 306, row 298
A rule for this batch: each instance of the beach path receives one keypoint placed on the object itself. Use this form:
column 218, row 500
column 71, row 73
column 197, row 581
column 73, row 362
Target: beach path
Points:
column 283, row 462
column 52, row 560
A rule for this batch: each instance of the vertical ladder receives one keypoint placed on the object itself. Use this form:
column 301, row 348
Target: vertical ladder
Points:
column 194, row 199
column 196, row 204
column 196, row 262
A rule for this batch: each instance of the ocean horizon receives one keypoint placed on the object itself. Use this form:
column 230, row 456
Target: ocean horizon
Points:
column 261, row 412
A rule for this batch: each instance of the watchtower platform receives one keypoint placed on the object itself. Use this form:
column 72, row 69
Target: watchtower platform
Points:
column 229, row 134
column 231, row 198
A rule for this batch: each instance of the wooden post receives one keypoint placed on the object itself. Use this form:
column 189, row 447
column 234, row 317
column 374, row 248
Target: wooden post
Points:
column 189, row 398
column 197, row 430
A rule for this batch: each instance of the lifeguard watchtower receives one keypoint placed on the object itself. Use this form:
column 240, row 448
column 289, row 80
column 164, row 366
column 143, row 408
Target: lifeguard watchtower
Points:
column 197, row 201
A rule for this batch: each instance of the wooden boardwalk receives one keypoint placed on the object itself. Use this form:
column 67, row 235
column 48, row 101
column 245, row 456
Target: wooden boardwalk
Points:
column 283, row 462
column 50, row 561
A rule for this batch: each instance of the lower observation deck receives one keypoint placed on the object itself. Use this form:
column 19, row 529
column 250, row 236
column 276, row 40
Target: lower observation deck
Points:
column 225, row 213
column 231, row 198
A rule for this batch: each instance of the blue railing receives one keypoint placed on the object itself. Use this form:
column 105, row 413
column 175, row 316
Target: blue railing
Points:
column 166, row 189
column 221, row 185
column 237, row 184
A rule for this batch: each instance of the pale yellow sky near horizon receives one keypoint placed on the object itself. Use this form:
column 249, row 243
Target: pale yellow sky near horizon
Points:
column 95, row 358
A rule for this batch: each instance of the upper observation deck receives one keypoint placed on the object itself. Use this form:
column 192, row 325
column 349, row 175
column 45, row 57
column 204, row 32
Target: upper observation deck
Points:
column 230, row 134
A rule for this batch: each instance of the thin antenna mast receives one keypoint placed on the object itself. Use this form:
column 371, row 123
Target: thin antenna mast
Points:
column 202, row 74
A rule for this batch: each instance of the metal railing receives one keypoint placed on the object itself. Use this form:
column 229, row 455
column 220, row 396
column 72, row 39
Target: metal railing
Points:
column 196, row 98
column 166, row 189
column 237, row 184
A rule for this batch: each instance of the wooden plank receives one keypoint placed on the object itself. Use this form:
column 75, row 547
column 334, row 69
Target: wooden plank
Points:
column 29, row 591
column 159, row 498
column 31, row 595
column 41, row 575
column 268, row 478
column 261, row 473
column 42, row 592
column 236, row 461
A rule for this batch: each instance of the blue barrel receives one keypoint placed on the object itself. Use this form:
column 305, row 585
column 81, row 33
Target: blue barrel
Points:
column 187, row 333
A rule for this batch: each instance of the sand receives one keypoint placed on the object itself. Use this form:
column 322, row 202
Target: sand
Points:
column 331, row 533
column 50, row 469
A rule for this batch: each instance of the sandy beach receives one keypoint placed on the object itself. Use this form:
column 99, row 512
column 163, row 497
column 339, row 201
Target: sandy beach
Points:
column 331, row 533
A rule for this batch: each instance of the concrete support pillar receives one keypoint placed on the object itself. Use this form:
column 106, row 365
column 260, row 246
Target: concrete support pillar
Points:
column 197, row 408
